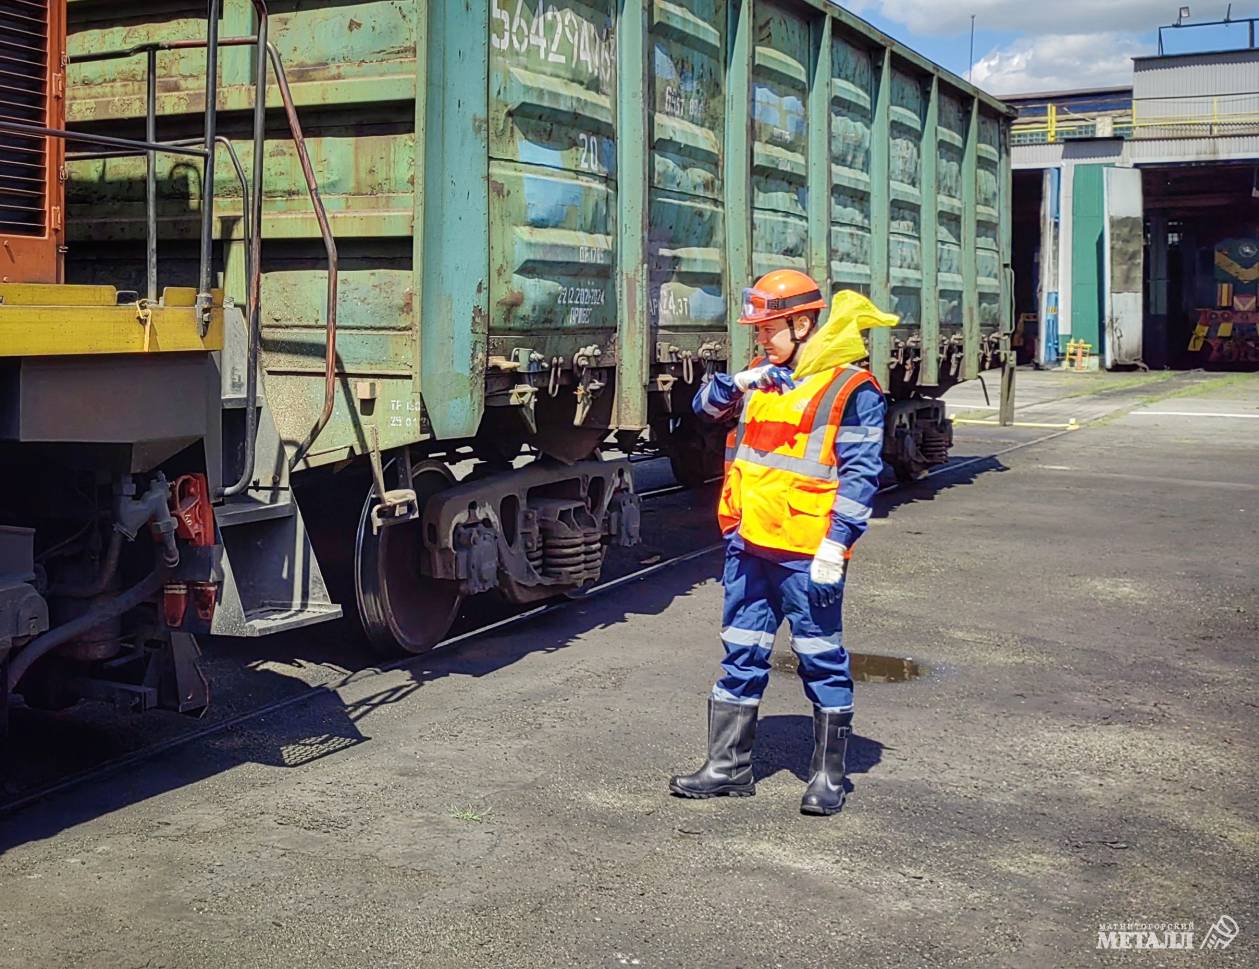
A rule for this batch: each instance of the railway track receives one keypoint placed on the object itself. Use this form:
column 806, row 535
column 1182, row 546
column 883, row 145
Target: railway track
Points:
column 29, row 797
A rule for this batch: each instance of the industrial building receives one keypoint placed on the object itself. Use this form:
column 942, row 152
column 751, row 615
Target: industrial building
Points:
column 1136, row 217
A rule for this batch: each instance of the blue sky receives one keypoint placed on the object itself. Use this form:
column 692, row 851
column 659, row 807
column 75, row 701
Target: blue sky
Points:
column 1026, row 45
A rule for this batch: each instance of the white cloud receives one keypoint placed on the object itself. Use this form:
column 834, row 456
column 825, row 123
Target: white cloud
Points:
column 1059, row 62
column 1049, row 50
column 950, row 17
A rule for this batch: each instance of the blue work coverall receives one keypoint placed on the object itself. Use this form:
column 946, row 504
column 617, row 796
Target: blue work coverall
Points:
column 765, row 586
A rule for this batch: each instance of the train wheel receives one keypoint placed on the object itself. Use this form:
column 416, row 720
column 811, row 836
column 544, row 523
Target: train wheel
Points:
column 693, row 456
column 402, row 610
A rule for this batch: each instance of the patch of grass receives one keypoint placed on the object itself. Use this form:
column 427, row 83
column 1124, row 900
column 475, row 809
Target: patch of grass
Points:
column 1117, row 384
column 1210, row 385
column 1096, row 384
column 469, row 816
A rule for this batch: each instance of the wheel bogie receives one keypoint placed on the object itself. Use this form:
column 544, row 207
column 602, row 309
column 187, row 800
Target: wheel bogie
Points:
column 527, row 534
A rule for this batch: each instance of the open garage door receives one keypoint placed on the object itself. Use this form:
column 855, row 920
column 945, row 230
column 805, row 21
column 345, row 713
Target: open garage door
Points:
column 1124, row 259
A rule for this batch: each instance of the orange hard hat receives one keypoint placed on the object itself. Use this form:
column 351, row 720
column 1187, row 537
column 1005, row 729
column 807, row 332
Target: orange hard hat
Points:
column 779, row 294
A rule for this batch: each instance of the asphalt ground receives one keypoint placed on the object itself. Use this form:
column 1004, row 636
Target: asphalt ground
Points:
column 1079, row 752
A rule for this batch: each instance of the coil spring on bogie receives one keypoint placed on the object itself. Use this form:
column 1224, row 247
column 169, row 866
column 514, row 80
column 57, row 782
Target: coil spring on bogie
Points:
column 569, row 556
column 935, row 446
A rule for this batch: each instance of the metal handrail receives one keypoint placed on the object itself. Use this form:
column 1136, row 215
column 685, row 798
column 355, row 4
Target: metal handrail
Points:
column 1059, row 129
column 158, row 147
column 330, row 247
column 254, row 298
column 252, row 221
column 1228, row 21
column 205, row 299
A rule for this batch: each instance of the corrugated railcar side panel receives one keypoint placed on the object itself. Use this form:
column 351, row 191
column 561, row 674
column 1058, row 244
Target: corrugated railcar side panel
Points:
column 472, row 165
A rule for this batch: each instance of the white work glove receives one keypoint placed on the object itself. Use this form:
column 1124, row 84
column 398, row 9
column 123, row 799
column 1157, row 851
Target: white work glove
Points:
column 765, row 377
column 826, row 574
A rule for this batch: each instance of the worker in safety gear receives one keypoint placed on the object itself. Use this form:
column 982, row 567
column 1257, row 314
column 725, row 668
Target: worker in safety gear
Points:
column 802, row 469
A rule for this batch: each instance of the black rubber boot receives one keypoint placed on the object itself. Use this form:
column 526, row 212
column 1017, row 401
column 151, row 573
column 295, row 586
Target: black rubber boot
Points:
column 728, row 770
column 825, row 793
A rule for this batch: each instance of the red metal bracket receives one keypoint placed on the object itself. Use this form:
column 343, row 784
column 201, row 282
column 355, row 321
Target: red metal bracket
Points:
column 190, row 504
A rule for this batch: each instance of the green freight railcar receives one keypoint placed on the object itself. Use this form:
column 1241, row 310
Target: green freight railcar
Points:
column 541, row 209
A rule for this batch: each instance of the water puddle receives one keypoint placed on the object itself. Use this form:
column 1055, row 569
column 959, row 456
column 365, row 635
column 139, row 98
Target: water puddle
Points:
column 866, row 667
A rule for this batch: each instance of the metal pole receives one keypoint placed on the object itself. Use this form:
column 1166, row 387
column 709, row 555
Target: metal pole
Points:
column 123, row 52
column 205, row 298
column 150, row 132
column 1009, row 359
column 1006, row 412
column 970, row 65
column 330, row 246
column 127, row 146
column 253, row 305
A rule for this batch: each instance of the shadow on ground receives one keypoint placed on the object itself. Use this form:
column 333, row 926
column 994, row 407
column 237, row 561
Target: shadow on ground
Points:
column 321, row 723
column 785, row 743
column 318, row 725
column 962, row 470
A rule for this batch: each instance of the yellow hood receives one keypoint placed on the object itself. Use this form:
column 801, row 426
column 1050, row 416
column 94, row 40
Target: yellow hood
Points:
column 839, row 341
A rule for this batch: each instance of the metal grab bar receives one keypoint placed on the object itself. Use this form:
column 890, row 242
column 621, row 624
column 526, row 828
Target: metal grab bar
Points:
column 330, row 247
column 205, row 298
column 252, row 220
column 159, row 147
column 253, row 300
column 150, row 179
column 312, row 185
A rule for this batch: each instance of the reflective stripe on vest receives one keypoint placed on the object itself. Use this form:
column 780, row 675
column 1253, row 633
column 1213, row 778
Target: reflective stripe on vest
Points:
column 778, row 493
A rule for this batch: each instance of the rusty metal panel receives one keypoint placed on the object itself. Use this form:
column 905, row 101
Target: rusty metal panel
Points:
column 454, row 260
column 970, row 226
column 988, row 203
column 686, row 229
column 631, row 405
column 511, row 117
column 552, row 175
column 781, row 68
column 104, row 90
column 852, row 121
column 348, row 53
column 951, row 134
column 880, row 209
column 344, row 45
column 737, row 171
column 351, row 67
column 908, row 109
column 927, row 370
column 367, row 181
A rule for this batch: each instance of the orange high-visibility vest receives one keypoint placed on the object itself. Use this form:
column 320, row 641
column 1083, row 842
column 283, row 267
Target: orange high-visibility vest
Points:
column 782, row 477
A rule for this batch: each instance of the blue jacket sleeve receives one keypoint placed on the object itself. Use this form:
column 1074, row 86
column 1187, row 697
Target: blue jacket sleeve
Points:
column 859, row 453
column 717, row 398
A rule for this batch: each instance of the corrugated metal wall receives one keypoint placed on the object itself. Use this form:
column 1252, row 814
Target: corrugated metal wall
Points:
column 1190, row 75
column 1196, row 95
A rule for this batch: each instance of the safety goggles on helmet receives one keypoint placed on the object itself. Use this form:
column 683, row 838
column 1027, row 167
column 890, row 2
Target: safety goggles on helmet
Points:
column 761, row 307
